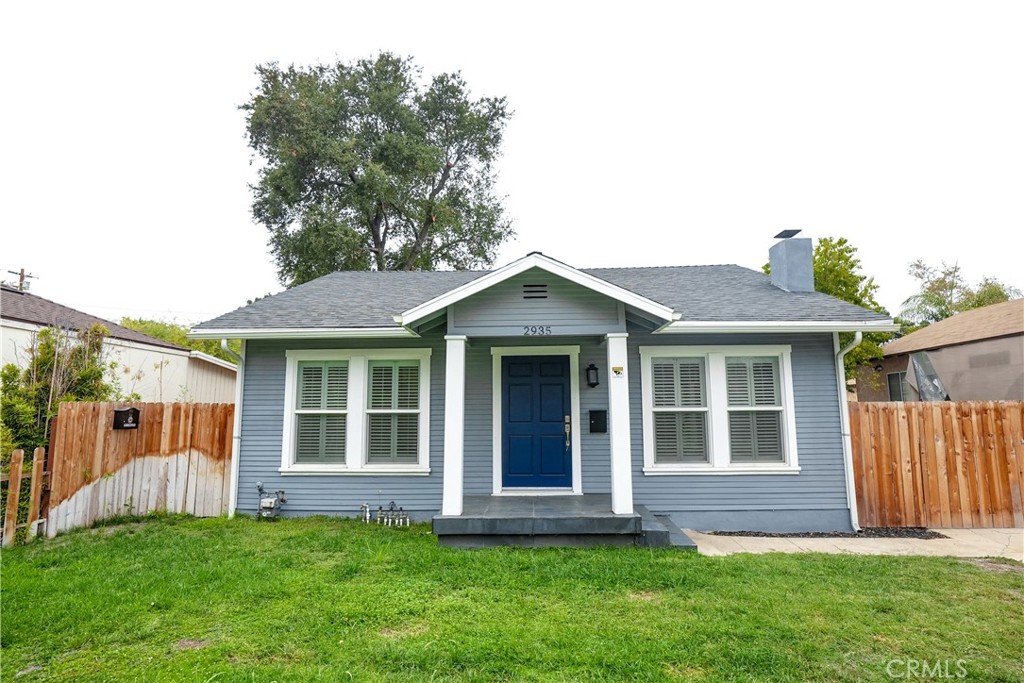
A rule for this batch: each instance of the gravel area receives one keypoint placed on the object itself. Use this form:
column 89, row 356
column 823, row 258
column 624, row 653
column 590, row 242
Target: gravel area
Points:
column 869, row 532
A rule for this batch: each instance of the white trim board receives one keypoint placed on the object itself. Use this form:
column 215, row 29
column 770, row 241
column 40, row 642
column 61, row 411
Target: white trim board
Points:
column 499, row 352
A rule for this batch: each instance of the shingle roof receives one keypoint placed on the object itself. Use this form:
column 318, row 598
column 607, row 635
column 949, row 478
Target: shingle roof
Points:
column 997, row 320
column 699, row 293
column 29, row 308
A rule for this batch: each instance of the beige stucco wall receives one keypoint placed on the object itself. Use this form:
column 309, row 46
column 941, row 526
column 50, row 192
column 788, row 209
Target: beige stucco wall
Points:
column 872, row 385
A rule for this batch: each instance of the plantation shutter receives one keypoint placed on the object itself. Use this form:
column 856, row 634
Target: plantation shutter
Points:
column 393, row 416
column 680, row 410
column 755, row 434
column 321, row 420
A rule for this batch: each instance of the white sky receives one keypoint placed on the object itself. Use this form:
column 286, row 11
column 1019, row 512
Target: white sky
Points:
column 644, row 134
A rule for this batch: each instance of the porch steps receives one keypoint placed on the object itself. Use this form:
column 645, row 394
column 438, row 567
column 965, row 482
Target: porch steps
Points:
column 559, row 521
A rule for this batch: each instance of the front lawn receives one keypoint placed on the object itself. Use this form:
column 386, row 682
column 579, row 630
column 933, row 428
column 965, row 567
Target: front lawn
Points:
column 297, row 600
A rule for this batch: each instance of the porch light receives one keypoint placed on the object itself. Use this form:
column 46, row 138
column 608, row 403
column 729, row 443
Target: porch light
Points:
column 592, row 376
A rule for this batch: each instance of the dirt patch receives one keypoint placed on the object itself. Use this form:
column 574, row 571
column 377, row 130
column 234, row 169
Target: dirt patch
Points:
column 404, row 631
column 190, row 644
column 997, row 565
column 642, row 596
column 869, row 532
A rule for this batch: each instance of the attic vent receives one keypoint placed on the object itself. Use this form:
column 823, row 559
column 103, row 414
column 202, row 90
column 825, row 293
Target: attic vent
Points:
column 535, row 291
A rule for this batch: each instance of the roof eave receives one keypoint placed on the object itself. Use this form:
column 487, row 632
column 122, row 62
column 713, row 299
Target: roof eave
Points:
column 710, row 326
column 303, row 333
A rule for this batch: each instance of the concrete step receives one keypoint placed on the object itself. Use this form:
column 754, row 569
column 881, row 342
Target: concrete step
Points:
column 677, row 538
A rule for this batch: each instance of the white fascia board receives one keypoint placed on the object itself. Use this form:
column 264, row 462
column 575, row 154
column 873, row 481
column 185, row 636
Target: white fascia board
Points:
column 701, row 326
column 199, row 355
column 545, row 263
column 304, row 333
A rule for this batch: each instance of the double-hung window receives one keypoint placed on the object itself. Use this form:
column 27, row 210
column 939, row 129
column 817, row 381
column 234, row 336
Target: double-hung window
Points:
column 718, row 410
column 356, row 411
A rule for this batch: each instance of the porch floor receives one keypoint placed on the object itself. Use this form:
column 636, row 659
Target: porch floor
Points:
column 531, row 521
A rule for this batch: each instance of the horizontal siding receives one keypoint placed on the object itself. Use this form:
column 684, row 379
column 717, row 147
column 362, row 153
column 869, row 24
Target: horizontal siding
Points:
column 263, row 420
column 821, row 483
column 502, row 310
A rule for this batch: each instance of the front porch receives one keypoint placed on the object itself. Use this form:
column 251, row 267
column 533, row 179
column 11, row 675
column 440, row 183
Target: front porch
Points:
column 543, row 521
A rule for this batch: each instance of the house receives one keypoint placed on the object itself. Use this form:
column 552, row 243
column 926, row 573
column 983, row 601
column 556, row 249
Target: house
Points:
column 976, row 355
column 154, row 369
column 496, row 401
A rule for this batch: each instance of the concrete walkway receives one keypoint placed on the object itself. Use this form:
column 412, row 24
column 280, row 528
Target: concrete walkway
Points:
column 1007, row 543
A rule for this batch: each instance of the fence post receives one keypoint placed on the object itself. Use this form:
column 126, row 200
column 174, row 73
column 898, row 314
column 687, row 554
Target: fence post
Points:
column 35, row 492
column 13, row 493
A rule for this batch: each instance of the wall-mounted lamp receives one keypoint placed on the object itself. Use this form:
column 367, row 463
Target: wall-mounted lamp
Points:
column 878, row 367
column 592, row 376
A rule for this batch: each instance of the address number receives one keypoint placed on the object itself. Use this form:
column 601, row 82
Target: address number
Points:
column 536, row 330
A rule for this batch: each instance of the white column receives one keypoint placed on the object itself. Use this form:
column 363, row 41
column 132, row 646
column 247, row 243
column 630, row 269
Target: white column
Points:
column 454, row 427
column 618, row 424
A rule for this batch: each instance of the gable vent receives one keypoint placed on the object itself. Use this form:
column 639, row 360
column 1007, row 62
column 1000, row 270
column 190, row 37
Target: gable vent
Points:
column 535, row 291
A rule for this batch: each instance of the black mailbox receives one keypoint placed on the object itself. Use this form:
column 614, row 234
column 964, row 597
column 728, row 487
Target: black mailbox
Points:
column 598, row 421
column 126, row 418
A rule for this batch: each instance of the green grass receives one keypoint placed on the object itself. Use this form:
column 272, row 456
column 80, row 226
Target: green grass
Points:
column 298, row 600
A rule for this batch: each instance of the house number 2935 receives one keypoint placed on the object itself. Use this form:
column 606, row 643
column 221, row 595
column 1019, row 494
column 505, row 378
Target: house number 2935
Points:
column 536, row 330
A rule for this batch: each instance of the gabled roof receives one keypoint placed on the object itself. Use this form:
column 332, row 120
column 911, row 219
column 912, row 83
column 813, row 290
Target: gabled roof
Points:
column 997, row 320
column 23, row 307
column 686, row 298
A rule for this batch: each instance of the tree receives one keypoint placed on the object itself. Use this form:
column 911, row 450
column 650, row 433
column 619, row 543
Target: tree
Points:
column 178, row 334
column 837, row 272
column 365, row 167
column 62, row 366
column 944, row 292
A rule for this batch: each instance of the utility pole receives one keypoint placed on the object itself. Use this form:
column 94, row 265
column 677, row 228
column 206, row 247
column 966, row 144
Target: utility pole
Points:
column 22, row 276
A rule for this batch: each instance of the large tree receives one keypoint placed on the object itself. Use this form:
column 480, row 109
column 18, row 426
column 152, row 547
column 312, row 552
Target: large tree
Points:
column 368, row 166
column 943, row 292
column 837, row 272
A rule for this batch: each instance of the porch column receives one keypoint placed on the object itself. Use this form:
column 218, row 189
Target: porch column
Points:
column 454, row 429
column 618, row 424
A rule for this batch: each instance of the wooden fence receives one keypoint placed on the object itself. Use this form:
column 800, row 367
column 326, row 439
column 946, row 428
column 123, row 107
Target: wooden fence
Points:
column 939, row 464
column 15, row 479
column 177, row 461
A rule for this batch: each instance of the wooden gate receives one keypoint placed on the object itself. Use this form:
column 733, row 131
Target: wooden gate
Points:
column 939, row 464
column 176, row 461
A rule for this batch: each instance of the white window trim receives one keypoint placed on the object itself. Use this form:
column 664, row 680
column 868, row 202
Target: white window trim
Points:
column 355, row 442
column 718, row 409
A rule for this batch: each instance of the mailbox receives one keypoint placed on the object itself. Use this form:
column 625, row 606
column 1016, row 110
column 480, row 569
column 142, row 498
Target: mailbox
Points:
column 598, row 421
column 126, row 418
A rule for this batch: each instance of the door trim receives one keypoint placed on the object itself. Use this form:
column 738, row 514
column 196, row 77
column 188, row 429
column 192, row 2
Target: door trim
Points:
column 499, row 352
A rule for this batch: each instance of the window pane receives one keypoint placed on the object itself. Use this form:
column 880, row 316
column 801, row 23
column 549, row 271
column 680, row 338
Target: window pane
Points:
column 756, row 436
column 323, row 385
column 336, row 393
column 408, row 386
column 320, row 438
column 393, row 438
column 680, row 437
column 678, row 382
column 753, row 381
column 899, row 389
column 382, row 385
column 311, row 377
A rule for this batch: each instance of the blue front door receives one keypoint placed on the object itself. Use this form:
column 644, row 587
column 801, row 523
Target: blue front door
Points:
column 536, row 449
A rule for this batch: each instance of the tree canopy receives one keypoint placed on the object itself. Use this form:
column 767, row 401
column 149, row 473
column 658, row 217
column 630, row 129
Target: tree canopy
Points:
column 943, row 292
column 837, row 272
column 365, row 166
column 178, row 334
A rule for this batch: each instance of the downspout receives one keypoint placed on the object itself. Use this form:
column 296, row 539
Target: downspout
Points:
column 236, row 434
column 844, row 422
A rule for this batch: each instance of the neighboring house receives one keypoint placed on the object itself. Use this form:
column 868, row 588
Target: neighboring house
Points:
column 154, row 369
column 977, row 355
column 704, row 393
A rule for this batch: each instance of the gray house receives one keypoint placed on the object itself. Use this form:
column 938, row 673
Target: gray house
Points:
column 706, row 397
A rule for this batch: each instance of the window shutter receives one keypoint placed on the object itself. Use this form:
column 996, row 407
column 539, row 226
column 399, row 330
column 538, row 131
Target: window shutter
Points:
column 752, row 381
column 337, row 387
column 320, row 438
column 310, row 384
column 764, row 376
column 756, row 436
column 382, row 385
column 408, row 387
column 663, row 373
column 307, row 446
column 737, row 382
column 691, row 383
column 407, row 437
column 768, row 434
column 379, row 438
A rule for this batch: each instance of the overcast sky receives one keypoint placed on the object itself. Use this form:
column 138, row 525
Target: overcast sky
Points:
column 644, row 134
